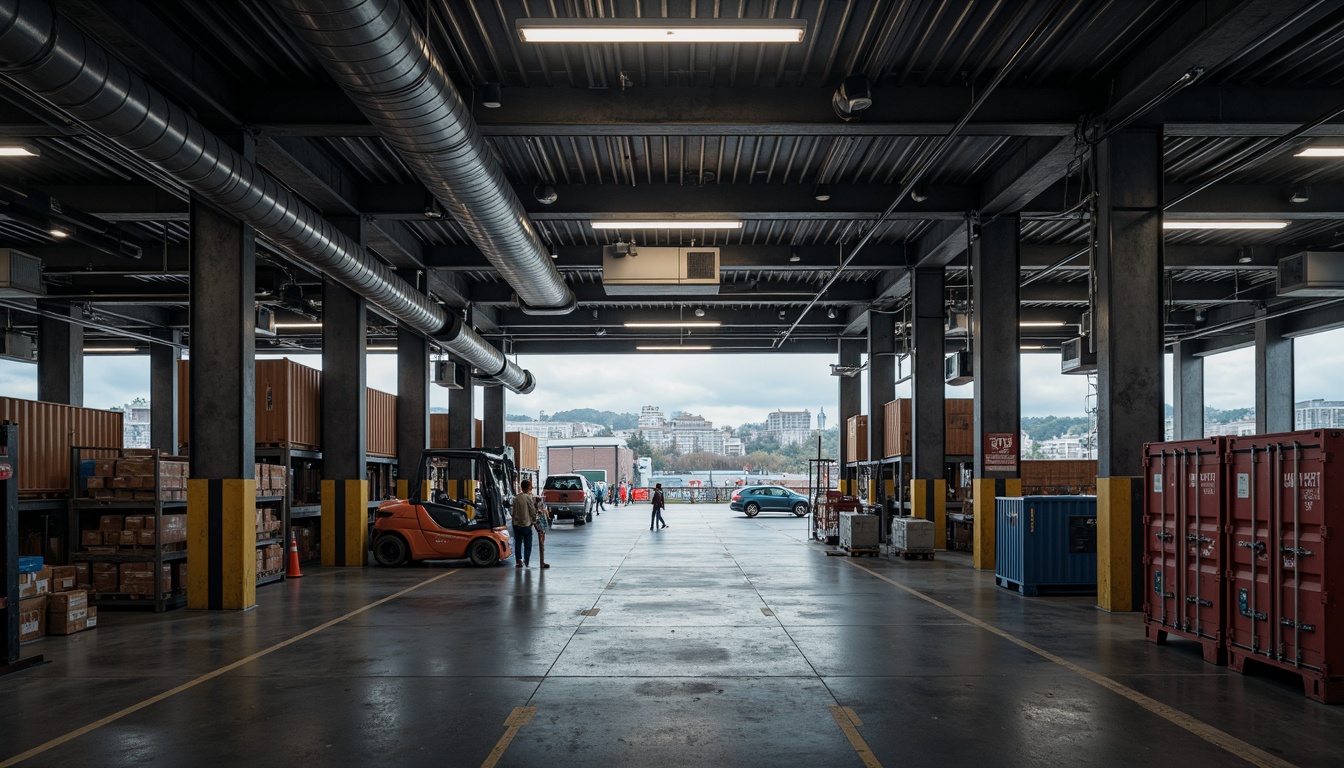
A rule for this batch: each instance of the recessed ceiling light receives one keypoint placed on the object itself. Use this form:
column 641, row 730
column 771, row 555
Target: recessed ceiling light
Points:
column 687, row 348
column 676, row 324
column 1041, row 324
column 380, row 349
column 19, row 150
column 661, row 30
column 1321, row 152
column 1245, row 224
column 110, row 349
column 298, row 325
column 666, row 224
column 57, row 232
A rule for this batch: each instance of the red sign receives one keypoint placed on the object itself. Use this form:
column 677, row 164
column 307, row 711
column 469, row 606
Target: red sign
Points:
column 1000, row 452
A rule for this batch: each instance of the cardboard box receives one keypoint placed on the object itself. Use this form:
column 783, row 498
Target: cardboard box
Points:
column 67, row 613
column 32, row 618
column 112, row 538
column 111, row 522
column 63, row 578
column 83, row 576
column 105, row 467
column 95, row 483
column 134, row 522
column 106, row 578
column 91, row 620
column 34, row 584
column 145, row 538
column 91, row 538
column 135, row 467
column 127, row 538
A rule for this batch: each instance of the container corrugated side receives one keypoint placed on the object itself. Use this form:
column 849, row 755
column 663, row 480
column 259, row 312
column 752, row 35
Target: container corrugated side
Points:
column 958, row 427
column 856, row 438
column 1047, row 542
column 441, row 437
column 1059, row 477
column 47, row 431
column 524, row 449
column 288, row 404
column 381, row 433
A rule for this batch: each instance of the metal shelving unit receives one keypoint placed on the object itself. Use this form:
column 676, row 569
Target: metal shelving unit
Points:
column 164, row 597
column 267, row 577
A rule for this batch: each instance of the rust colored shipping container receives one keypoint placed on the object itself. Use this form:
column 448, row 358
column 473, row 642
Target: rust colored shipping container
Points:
column 440, row 437
column 47, row 431
column 856, row 438
column 381, row 434
column 480, row 433
column 288, row 405
column 958, row 427
column 1184, row 545
column 1286, row 569
column 1059, row 477
column 524, row 447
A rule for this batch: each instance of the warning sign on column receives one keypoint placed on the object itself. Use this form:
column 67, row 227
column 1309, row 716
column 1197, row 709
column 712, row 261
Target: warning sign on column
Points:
column 1000, row 452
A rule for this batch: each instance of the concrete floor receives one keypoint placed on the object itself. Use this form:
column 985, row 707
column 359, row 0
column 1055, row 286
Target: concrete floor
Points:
column 719, row 641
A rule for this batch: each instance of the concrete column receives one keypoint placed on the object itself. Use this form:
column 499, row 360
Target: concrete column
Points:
column 851, row 393
column 928, row 482
column 1129, row 352
column 60, row 357
column 997, row 365
column 461, row 433
column 493, row 428
column 1187, row 412
column 345, row 482
column 412, row 407
column 1273, row 378
column 221, row 494
column 163, row 360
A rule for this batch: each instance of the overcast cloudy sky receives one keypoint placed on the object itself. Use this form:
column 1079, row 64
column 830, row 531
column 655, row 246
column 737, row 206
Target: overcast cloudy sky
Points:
column 732, row 390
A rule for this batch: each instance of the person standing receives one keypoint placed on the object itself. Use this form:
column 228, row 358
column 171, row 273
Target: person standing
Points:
column 599, row 491
column 525, row 516
column 658, row 502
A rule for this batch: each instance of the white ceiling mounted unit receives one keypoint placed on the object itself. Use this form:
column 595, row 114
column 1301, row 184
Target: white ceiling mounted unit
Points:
column 17, row 346
column 1311, row 273
column 446, row 374
column 660, row 271
column 20, row 274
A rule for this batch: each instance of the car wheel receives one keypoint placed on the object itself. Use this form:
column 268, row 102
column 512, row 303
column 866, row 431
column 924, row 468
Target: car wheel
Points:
column 390, row 550
column 483, row 552
column 753, row 509
column 800, row 509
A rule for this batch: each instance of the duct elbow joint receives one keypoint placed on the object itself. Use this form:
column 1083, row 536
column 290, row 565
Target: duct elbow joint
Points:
column 571, row 303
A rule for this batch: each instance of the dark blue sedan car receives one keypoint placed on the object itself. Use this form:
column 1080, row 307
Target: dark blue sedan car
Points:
column 752, row 499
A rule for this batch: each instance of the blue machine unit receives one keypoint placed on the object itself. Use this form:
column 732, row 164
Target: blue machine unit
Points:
column 1046, row 543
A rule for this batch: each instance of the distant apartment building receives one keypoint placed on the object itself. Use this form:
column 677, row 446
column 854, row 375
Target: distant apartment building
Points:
column 1239, row 428
column 692, row 433
column 1068, row 447
column 1319, row 414
column 135, row 426
column 789, row 427
column 733, row 446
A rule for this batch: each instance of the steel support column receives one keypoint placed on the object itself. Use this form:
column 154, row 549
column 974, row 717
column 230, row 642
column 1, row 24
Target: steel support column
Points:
column 412, row 406
column 345, row 484
column 997, row 366
column 461, row 433
column 60, row 357
column 1187, row 372
column 493, row 429
column 163, row 360
column 1273, row 378
column 221, row 494
column 851, row 395
column 928, row 480
column 1129, row 351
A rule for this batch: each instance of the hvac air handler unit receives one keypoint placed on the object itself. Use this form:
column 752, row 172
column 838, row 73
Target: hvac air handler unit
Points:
column 1047, row 543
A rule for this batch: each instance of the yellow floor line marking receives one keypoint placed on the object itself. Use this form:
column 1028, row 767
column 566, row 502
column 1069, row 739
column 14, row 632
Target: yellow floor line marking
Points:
column 853, row 717
column 519, row 717
column 208, row 676
column 850, row 726
column 1250, row 753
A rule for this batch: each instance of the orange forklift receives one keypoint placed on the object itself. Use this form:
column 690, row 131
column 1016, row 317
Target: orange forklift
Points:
column 447, row 528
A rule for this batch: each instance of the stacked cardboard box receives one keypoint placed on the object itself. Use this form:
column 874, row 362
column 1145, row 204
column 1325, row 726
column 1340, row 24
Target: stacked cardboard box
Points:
column 138, row 578
column 133, row 532
column 268, row 524
column 270, row 558
column 50, row 604
column 70, row 612
column 272, row 479
column 32, row 618
column 105, row 578
column 179, row 568
column 135, row 477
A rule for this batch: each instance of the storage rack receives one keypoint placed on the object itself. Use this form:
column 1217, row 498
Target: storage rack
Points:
column 900, row 469
column 165, row 597
column 293, row 508
column 279, row 502
column 10, row 660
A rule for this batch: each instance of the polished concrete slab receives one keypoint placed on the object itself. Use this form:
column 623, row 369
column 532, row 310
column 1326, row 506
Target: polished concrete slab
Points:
column 721, row 640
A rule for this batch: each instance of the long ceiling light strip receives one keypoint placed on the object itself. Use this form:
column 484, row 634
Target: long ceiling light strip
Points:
column 666, row 224
column 677, row 324
column 1240, row 224
column 661, row 30
column 664, row 348
column 1321, row 151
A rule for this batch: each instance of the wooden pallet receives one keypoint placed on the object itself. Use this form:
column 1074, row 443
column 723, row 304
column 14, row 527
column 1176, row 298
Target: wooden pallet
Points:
column 907, row 554
column 853, row 552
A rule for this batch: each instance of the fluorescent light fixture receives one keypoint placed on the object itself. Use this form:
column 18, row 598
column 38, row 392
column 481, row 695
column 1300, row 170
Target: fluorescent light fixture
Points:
column 1321, row 152
column 58, row 232
column 1029, row 347
column 1241, row 224
column 298, row 325
column 661, row 30
column 677, row 324
column 87, row 350
column 685, row 348
column 19, row 150
column 380, row 349
column 1041, row 324
column 666, row 224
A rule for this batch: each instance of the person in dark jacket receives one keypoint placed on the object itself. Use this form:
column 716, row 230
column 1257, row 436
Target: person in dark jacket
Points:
column 658, row 503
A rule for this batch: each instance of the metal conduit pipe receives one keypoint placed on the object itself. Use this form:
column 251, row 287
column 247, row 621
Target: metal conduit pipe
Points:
column 377, row 53
column 42, row 52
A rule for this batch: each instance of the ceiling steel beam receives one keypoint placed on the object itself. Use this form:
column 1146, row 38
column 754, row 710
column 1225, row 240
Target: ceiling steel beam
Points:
column 758, row 292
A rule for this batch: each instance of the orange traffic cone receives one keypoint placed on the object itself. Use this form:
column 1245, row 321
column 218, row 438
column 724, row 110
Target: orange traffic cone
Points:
column 293, row 572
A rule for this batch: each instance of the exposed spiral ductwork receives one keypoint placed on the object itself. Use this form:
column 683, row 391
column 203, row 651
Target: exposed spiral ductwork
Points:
column 44, row 53
column 376, row 51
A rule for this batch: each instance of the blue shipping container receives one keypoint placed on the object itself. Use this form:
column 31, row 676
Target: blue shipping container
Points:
column 1046, row 543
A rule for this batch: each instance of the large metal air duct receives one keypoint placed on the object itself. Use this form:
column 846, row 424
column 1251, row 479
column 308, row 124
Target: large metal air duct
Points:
column 41, row 51
column 376, row 51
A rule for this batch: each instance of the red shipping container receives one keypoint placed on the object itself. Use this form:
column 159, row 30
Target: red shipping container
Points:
column 1286, row 572
column 1184, row 546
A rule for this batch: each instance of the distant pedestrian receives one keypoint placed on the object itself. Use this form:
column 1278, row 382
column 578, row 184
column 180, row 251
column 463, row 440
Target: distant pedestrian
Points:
column 526, row 516
column 658, row 502
column 622, row 498
column 598, row 493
